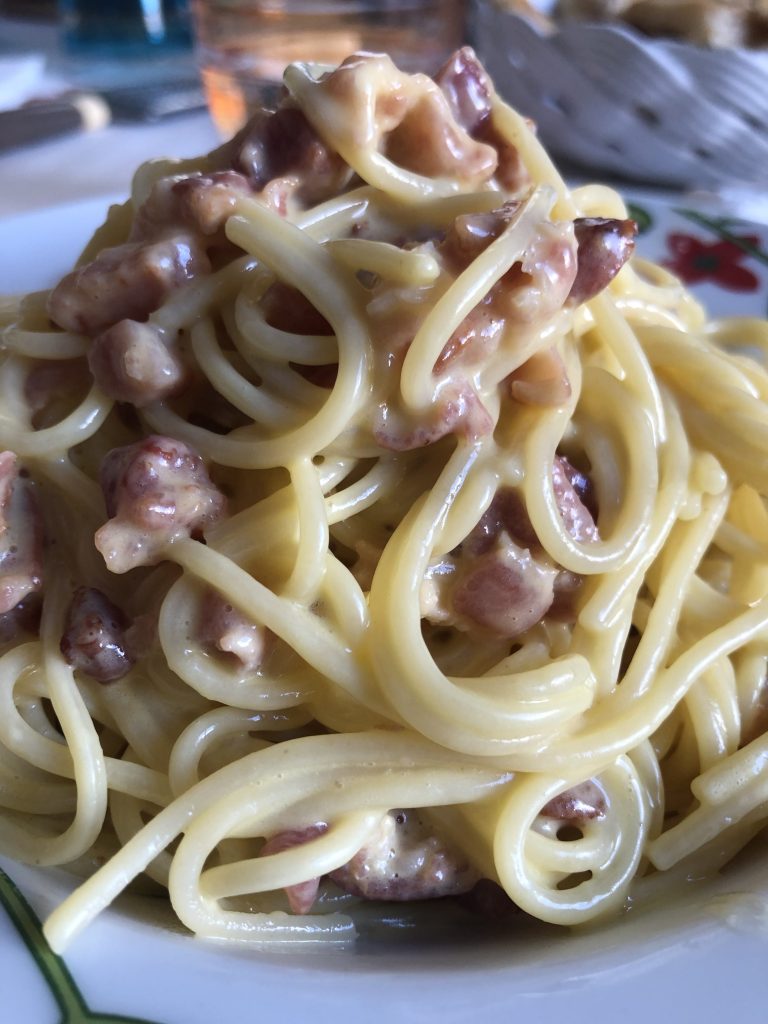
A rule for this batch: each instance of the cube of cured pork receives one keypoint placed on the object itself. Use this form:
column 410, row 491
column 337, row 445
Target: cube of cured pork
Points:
column 499, row 578
column 94, row 639
column 156, row 491
column 404, row 860
column 21, row 536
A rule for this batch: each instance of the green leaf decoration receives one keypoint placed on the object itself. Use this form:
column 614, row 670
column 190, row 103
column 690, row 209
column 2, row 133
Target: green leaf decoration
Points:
column 641, row 217
column 724, row 228
column 63, row 987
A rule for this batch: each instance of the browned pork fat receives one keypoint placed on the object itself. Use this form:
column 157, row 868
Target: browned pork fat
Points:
column 404, row 860
column 21, row 536
column 604, row 246
column 456, row 410
column 174, row 231
column 126, row 282
column 94, row 639
column 131, row 362
column 572, row 493
column 8, row 475
column 284, row 145
column 429, row 141
column 301, row 896
column 156, row 491
column 198, row 202
column 498, row 579
column 506, row 590
column 540, row 284
column 540, row 380
column 288, row 310
column 507, row 512
column 582, row 802
column 475, row 339
column 468, row 89
column 231, row 632
column 547, row 275
column 532, row 290
column 469, row 92
column 471, row 233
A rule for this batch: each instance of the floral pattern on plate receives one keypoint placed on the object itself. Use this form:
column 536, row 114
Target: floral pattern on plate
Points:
column 53, row 972
column 723, row 260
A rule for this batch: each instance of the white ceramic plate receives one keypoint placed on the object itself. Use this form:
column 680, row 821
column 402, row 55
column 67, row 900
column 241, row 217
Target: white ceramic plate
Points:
column 696, row 957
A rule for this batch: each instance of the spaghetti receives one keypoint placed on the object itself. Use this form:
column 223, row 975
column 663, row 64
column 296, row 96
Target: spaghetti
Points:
column 371, row 527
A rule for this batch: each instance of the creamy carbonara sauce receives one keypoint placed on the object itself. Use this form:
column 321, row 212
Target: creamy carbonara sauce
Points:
column 374, row 528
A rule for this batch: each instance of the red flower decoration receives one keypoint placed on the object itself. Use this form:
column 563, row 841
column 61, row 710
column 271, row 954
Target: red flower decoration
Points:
column 720, row 262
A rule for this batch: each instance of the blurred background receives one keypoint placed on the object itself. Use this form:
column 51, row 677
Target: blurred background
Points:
column 146, row 46
column 671, row 94
column 93, row 88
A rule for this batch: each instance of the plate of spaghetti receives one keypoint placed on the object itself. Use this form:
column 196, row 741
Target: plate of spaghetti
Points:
column 383, row 553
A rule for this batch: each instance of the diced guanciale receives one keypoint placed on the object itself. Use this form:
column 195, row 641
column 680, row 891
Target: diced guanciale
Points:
column 549, row 273
column 407, row 117
column 49, row 387
column 456, row 410
column 469, row 92
column 499, row 578
column 470, row 234
column 126, row 282
column 231, row 632
column 94, row 639
column 301, row 897
column 604, row 246
column 200, row 203
column 131, row 362
column 506, row 590
column 21, row 536
column 156, row 491
column 468, row 89
column 540, row 380
column 283, row 147
column 533, row 289
column 582, row 802
column 405, row 860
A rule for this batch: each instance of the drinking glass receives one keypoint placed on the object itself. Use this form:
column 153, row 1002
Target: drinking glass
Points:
column 243, row 46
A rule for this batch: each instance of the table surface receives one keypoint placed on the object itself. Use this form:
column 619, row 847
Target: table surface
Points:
column 86, row 166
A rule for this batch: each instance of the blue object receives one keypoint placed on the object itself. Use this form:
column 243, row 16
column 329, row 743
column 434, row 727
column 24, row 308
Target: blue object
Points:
column 124, row 27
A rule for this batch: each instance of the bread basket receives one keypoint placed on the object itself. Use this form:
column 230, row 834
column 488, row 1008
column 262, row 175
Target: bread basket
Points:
column 605, row 98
